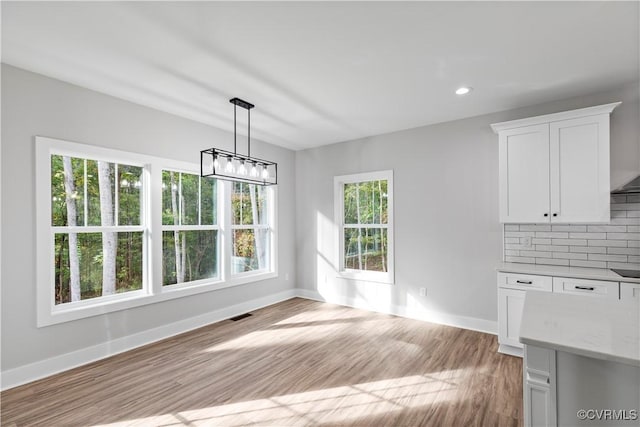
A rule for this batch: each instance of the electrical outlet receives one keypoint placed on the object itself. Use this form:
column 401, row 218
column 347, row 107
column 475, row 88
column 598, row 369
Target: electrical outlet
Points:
column 423, row 292
column 526, row 242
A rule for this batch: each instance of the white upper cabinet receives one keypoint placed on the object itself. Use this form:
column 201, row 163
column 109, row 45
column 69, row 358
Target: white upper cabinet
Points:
column 555, row 168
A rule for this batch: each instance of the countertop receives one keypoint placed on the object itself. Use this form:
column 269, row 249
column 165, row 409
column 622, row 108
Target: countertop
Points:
column 586, row 326
column 563, row 271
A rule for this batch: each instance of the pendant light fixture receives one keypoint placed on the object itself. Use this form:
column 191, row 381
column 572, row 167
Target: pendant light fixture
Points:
column 232, row 166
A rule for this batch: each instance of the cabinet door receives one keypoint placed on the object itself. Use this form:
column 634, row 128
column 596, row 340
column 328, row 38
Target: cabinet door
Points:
column 579, row 169
column 524, row 174
column 510, row 305
column 539, row 383
column 630, row 291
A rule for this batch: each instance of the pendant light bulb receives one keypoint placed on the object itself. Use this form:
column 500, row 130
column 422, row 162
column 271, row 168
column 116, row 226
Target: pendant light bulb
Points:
column 265, row 172
column 229, row 168
column 242, row 170
column 254, row 170
column 216, row 163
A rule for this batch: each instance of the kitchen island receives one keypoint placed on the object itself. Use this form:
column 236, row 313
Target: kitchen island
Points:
column 581, row 360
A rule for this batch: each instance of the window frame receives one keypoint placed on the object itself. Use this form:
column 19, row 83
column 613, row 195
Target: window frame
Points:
column 387, row 277
column 268, row 226
column 198, row 227
column 48, row 313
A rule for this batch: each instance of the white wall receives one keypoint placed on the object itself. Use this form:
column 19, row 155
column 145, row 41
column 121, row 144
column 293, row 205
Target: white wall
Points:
column 447, row 235
column 36, row 105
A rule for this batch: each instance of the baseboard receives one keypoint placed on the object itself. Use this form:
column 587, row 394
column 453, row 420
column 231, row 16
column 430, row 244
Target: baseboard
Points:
column 511, row 351
column 41, row 369
column 463, row 322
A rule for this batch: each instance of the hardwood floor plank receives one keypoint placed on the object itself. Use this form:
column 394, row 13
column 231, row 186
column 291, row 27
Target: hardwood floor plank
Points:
column 298, row 362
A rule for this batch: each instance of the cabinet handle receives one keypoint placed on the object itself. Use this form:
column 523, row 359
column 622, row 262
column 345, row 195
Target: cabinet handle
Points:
column 524, row 282
column 585, row 288
column 546, row 214
column 555, row 214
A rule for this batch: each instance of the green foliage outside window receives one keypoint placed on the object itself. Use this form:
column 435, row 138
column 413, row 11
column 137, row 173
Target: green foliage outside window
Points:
column 365, row 203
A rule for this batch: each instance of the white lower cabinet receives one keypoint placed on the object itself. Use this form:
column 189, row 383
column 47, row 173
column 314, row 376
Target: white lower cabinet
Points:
column 510, row 304
column 512, row 288
column 630, row 291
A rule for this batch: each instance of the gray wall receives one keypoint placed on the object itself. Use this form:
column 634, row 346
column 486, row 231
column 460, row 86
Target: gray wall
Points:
column 447, row 234
column 36, row 105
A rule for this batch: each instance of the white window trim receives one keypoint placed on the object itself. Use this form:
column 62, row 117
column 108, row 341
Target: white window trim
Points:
column 267, row 226
column 338, row 193
column 152, row 290
column 220, row 245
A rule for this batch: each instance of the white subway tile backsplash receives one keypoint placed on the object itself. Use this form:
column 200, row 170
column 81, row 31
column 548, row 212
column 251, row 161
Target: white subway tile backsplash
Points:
column 552, row 248
column 519, row 234
column 613, row 258
column 623, row 236
column 569, row 242
column 625, row 221
column 536, row 254
column 612, row 245
column 515, row 247
column 581, row 263
column 569, row 255
column 536, row 241
column 624, row 251
column 607, row 229
column 552, row 234
column 625, row 207
column 535, row 227
column 587, row 235
column 551, row 261
column 590, row 249
column 520, row 259
column 570, row 228
column 618, row 243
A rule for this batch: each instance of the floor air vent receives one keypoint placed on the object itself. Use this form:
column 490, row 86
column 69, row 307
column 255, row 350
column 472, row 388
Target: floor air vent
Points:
column 240, row 317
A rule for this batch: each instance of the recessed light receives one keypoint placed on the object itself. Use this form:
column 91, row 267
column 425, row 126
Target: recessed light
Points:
column 463, row 90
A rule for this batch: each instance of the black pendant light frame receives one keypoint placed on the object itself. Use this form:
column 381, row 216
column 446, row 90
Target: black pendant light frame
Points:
column 214, row 161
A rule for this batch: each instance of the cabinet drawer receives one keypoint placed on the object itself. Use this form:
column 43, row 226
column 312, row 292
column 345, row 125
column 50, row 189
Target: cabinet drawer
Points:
column 630, row 291
column 526, row 282
column 595, row 288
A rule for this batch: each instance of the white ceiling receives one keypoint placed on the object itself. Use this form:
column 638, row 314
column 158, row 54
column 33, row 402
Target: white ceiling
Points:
column 326, row 72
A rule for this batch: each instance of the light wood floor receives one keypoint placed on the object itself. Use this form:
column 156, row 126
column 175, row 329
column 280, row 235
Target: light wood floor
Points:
column 298, row 362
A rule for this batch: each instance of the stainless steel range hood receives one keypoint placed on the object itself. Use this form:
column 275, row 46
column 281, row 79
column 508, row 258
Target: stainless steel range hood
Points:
column 631, row 187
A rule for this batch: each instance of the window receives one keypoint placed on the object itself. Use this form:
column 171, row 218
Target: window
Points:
column 364, row 213
column 189, row 228
column 250, row 227
column 97, row 229
column 117, row 230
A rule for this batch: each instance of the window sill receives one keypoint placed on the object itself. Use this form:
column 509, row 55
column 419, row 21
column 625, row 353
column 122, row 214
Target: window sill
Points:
column 382, row 278
column 69, row 313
